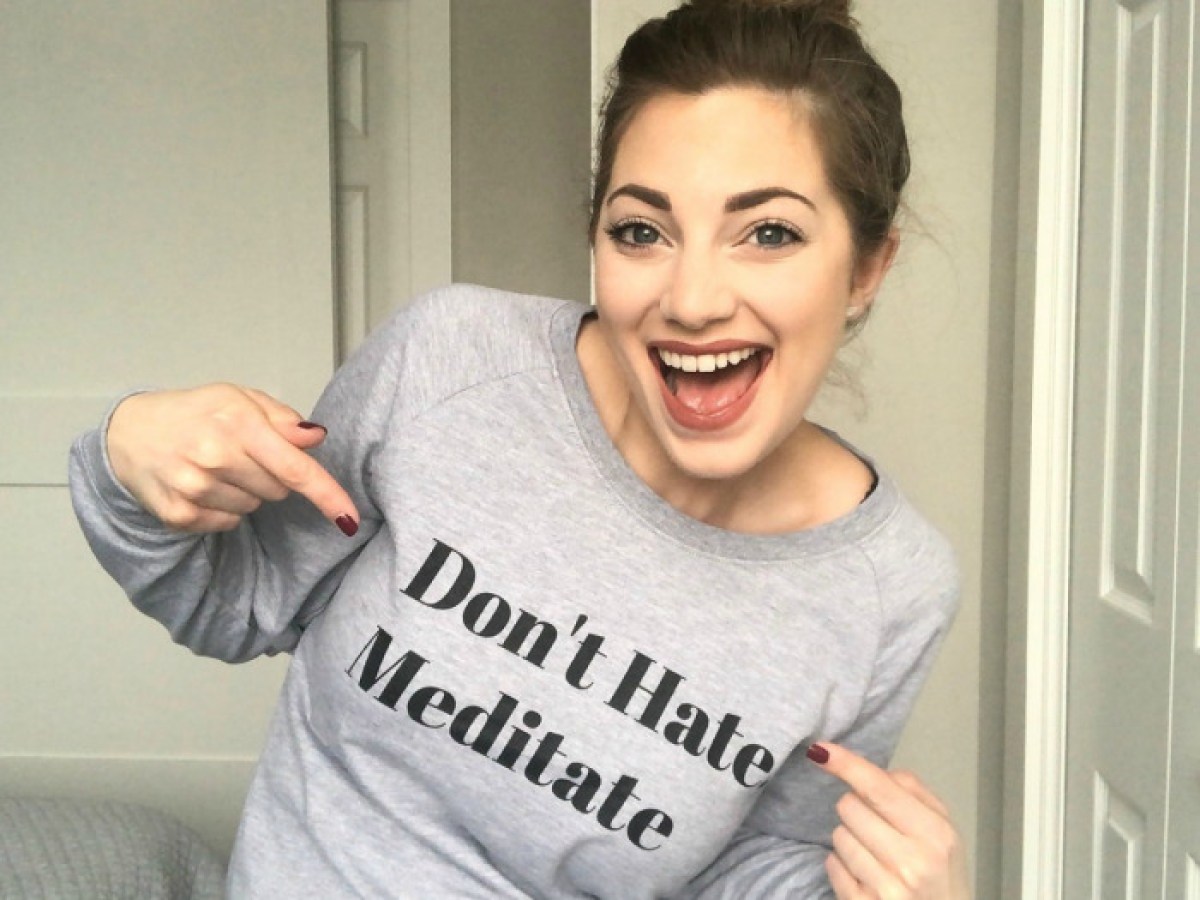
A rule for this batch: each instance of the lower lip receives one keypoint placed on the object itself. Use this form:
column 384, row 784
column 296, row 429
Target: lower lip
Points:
column 694, row 421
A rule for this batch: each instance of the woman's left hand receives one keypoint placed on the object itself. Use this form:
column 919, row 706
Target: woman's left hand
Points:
column 896, row 839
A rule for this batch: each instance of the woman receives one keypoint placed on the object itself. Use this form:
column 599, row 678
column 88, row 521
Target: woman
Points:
column 610, row 617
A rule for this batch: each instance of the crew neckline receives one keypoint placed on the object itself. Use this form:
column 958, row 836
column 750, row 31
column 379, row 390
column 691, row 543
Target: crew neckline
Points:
column 833, row 536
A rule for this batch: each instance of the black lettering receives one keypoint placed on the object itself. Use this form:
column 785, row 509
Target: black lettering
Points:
column 401, row 672
column 580, row 793
column 726, row 732
column 653, row 820
column 474, row 611
column 542, row 757
column 688, row 734
column 516, row 743
column 589, row 649
column 622, row 790
column 547, row 634
column 752, row 756
column 494, row 721
column 427, row 698
column 430, row 569
column 660, row 695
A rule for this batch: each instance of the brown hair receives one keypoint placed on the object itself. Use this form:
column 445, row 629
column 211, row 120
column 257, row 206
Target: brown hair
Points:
column 808, row 47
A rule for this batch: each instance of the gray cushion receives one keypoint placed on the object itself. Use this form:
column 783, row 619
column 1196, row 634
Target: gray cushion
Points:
column 101, row 850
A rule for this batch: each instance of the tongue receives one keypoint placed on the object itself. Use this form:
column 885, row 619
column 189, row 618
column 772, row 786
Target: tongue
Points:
column 706, row 393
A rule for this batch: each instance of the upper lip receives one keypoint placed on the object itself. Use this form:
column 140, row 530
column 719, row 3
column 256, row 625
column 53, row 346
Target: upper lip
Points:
column 711, row 348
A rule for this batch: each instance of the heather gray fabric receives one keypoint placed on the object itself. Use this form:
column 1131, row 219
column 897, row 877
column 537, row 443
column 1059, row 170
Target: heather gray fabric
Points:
column 528, row 675
column 76, row 849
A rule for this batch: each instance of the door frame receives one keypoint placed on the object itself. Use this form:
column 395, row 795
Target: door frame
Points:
column 1044, row 388
column 430, row 208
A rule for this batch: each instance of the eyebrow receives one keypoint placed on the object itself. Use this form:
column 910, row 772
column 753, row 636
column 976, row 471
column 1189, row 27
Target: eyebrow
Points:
column 650, row 197
column 736, row 203
column 749, row 199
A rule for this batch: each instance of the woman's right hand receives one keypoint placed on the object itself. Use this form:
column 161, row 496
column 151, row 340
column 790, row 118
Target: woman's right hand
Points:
column 201, row 459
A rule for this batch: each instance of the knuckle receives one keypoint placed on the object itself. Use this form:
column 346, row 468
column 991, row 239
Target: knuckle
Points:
column 274, row 491
column 226, row 522
column 946, row 844
column 179, row 514
column 210, row 452
column 250, row 505
column 844, row 805
column 292, row 471
column 191, row 483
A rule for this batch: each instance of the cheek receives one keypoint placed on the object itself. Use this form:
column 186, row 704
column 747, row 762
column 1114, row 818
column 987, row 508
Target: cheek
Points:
column 806, row 300
column 625, row 292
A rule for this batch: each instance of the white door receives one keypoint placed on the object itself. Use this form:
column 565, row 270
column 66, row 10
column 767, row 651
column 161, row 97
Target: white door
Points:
column 165, row 219
column 391, row 63
column 1133, row 747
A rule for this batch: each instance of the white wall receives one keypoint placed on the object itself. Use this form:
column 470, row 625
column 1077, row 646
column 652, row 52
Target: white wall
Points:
column 165, row 217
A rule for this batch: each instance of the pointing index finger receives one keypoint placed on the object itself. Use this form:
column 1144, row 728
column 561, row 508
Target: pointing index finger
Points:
column 872, row 784
column 299, row 472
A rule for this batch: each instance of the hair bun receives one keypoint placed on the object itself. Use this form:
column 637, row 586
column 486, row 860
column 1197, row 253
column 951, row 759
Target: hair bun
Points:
column 827, row 10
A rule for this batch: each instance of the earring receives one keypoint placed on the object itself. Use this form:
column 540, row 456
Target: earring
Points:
column 852, row 311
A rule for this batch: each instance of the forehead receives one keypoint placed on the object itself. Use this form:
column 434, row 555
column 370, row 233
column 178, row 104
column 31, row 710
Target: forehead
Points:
column 726, row 140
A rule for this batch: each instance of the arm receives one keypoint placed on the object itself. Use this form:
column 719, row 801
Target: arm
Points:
column 249, row 589
column 781, row 848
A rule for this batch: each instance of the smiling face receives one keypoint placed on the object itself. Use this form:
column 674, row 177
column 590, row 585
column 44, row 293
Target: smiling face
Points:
column 725, row 272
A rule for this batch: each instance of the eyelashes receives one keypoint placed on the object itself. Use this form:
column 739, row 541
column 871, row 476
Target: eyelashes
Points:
column 785, row 233
column 639, row 236
column 623, row 233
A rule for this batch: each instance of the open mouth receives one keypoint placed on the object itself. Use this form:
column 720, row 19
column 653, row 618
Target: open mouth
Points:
column 706, row 391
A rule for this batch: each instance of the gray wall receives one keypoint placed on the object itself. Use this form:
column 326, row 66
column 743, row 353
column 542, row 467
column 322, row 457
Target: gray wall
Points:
column 521, row 97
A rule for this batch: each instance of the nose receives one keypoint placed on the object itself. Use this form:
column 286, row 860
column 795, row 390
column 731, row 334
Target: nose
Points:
column 697, row 295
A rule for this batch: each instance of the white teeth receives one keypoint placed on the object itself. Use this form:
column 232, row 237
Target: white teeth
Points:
column 706, row 362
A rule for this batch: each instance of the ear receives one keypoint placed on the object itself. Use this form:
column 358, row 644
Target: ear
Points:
column 869, row 273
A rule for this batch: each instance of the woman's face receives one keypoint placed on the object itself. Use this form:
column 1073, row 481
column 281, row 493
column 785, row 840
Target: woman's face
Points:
column 724, row 274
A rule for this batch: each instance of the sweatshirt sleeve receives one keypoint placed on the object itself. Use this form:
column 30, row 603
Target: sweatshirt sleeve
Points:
column 780, row 849
column 236, row 595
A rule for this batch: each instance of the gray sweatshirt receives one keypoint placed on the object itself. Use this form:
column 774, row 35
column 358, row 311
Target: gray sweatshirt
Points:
column 528, row 675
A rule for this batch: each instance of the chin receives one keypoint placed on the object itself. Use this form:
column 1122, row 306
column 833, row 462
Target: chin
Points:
column 712, row 460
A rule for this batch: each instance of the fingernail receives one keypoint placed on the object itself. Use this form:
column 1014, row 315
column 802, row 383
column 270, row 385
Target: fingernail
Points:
column 817, row 754
column 348, row 525
column 310, row 425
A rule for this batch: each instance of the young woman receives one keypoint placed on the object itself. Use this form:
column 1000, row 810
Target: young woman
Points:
column 607, row 615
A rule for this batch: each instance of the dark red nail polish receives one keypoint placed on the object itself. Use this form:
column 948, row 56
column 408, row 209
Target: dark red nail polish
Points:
column 348, row 525
column 310, row 425
column 817, row 754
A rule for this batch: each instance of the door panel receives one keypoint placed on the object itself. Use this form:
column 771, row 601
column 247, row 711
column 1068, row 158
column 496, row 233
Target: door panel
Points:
column 371, row 62
column 1126, row 466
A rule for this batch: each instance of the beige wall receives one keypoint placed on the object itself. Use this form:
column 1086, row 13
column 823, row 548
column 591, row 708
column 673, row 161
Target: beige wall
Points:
column 936, row 369
column 520, row 96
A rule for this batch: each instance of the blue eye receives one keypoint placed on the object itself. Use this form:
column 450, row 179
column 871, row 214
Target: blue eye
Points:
column 773, row 234
column 642, row 234
column 634, row 234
